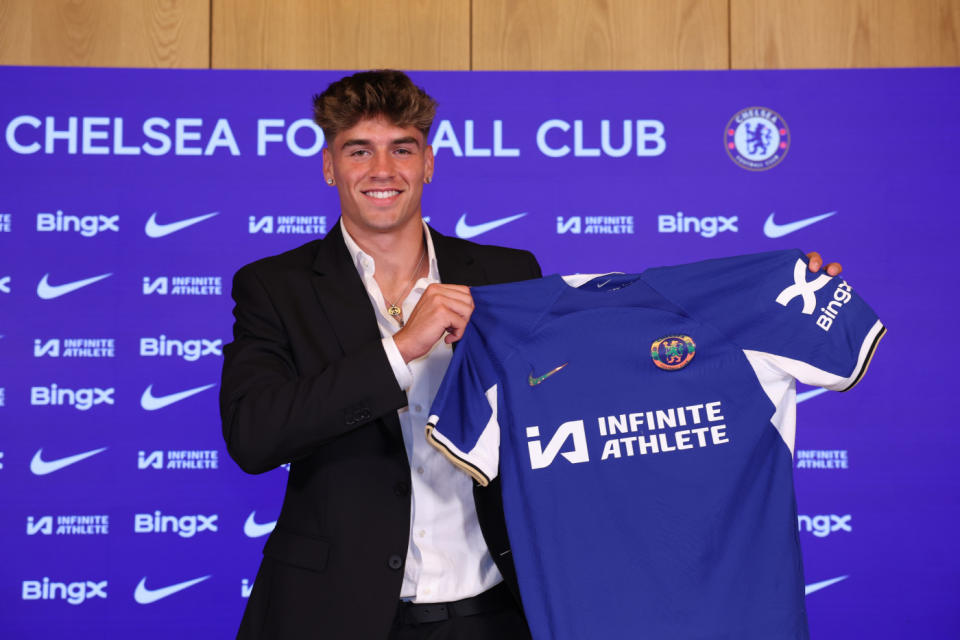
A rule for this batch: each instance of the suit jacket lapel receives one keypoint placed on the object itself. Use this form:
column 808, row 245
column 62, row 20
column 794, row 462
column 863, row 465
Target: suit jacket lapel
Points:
column 341, row 293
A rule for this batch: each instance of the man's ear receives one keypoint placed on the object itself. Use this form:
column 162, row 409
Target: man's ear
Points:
column 428, row 164
column 327, row 165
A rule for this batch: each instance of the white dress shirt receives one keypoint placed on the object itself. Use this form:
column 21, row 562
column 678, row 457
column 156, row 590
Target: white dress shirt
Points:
column 447, row 558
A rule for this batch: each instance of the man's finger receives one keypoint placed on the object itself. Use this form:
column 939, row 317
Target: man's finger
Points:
column 815, row 261
column 834, row 269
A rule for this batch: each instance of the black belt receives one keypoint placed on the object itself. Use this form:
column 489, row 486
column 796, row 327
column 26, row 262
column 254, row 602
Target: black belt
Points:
column 491, row 600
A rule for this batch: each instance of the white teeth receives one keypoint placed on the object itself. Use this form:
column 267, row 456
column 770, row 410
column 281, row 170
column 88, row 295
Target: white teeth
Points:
column 381, row 194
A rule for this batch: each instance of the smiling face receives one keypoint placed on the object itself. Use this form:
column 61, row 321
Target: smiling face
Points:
column 379, row 170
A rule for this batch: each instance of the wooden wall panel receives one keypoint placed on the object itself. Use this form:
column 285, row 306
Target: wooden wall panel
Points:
column 777, row 34
column 600, row 34
column 105, row 33
column 341, row 34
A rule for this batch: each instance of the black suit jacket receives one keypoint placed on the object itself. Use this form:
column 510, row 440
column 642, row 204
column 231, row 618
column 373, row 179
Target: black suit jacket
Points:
column 306, row 380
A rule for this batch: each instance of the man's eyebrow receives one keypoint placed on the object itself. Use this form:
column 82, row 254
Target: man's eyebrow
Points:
column 362, row 142
column 356, row 142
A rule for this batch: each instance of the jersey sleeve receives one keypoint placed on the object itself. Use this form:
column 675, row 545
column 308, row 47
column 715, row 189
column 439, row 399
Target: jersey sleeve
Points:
column 813, row 327
column 463, row 418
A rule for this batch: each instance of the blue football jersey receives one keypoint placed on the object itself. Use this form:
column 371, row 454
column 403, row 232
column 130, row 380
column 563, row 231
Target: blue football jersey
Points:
column 643, row 428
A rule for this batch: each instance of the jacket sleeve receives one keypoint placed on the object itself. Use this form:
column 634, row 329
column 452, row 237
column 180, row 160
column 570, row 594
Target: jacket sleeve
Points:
column 270, row 413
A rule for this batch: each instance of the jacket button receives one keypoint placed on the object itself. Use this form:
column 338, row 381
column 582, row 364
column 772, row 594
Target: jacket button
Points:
column 394, row 562
column 402, row 488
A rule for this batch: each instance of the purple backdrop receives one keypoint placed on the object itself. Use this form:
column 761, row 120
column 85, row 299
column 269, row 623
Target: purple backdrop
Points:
column 168, row 181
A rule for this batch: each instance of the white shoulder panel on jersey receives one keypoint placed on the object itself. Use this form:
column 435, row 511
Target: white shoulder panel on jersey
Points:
column 483, row 461
column 780, row 387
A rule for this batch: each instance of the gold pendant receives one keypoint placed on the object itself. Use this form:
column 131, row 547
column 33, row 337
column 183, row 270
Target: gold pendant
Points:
column 394, row 311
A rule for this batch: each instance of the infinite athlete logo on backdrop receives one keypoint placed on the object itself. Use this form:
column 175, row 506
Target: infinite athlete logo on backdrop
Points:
column 757, row 138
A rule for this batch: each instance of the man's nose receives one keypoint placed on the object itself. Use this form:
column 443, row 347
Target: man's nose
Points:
column 383, row 165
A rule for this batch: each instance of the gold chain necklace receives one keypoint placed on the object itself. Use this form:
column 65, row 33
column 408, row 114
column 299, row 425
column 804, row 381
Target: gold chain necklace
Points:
column 393, row 308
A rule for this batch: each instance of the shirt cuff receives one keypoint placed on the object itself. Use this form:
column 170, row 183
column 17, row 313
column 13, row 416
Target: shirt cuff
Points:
column 400, row 369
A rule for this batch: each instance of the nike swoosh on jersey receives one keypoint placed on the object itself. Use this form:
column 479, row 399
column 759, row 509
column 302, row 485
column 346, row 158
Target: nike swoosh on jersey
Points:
column 47, row 291
column 467, row 231
column 253, row 529
column 151, row 403
column 806, row 395
column 156, row 230
column 773, row 230
column 41, row 467
column 535, row 381
column 823, row 584
column 149, row 596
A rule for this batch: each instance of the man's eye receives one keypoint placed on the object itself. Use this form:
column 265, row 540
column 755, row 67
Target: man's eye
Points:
column 359, row 152
column 403, row 151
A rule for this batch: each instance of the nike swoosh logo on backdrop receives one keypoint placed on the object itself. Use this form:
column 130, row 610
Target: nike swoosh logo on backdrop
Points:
column 151, row 403
column 252, row 529
column 47, row 291
column 41, row 467
column 156, row 230
column 806, row 395
column 773, row 230
column 823, row 584
column 467, row 231
column 149, row 596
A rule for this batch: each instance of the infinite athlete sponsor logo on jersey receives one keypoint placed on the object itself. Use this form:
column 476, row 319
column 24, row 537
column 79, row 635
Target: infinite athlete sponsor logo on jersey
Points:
column 596, row 225
column 823, row 525
column 179, row 459
column 87, row 226
column 292, row 225
column 707, row 226
column 74, row 348
column 828, row 459
column 757, row 138
column 805, row 290
column 73, row 592
column 183, row 526
column 190, row 350
column 6, row 222
column 80, row 399
column 704, row 422
column 183, row 285
column 69, row 525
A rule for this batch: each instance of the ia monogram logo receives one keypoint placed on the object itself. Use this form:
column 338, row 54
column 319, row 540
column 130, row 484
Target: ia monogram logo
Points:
column 540, row 457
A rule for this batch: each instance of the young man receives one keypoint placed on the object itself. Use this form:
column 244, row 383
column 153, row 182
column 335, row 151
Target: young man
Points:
column 339, row 347
column 336, row 358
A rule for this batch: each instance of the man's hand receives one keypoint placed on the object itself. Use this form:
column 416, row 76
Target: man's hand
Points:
column 442, row 309
column 833, row 269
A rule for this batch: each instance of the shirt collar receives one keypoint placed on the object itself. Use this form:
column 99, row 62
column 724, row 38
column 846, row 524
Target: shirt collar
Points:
column 364, row 261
